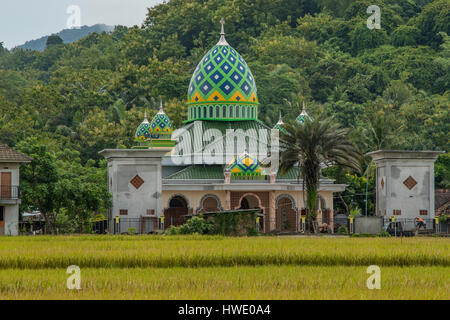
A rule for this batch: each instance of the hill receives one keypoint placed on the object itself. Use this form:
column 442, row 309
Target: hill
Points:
column 68, row 36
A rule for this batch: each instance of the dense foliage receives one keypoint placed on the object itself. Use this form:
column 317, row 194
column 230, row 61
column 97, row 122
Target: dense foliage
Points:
column 389, row 86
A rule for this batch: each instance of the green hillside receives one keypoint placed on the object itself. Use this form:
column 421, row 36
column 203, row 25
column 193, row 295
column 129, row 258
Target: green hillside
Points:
column 67, row 35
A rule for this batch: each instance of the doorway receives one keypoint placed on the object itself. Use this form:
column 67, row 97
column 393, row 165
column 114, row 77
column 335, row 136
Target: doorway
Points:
column 5, row 185
column 2, row 221
column 175, row 214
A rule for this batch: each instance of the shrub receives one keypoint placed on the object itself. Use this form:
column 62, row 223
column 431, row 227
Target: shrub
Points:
column 384, row 234
column 195, row 225
column 342, row 230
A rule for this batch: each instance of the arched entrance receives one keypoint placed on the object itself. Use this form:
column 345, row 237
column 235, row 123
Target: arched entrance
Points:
column 250, row 201
column 176, row 212
column 285, row 213
column 209, row 203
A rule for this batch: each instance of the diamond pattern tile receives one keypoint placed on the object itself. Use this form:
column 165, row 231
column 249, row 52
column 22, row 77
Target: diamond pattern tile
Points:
column 410, row 182
column 137, row 182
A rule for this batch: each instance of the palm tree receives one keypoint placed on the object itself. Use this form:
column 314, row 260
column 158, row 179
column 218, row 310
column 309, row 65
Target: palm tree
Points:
column 311, row 145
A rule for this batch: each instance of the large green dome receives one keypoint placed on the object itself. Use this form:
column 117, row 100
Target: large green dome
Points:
column 222, row 87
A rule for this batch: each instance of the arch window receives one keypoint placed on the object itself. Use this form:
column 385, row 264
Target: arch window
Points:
column 211, row 112
column 217, row 112
column 231, row 111
column 224, row 112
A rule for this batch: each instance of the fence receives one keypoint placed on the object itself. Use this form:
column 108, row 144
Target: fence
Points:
column 142, row 225
column 9, row 192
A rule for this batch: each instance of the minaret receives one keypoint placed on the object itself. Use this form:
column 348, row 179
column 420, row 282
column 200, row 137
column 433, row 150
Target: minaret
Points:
column 279, row 124
column 161, row 110
column 222, row 41
column 303, row 116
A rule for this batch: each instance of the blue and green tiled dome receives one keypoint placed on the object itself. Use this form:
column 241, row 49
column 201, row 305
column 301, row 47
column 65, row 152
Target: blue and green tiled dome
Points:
column 222, row 87
column 303, row 116
column 161, row 126
column 245, row 165
column 279, row 124
column 143, row 132
column 154, row 134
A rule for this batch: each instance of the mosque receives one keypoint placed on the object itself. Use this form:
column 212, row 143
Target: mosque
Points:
column 212, row 163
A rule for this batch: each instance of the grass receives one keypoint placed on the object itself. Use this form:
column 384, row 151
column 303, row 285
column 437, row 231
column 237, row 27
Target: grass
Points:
column 194, row 267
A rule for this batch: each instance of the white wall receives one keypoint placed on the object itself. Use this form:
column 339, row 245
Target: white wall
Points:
column 11, row 220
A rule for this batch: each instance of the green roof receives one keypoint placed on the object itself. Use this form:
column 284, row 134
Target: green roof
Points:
column 198, row 172
column 215, row 172
column 292, row 174
column 197, row 129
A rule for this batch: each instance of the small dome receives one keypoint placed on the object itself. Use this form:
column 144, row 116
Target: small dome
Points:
column 143, row 132
column 160, row 124
column 279, row 125
column 244, row 165
column 303, row 116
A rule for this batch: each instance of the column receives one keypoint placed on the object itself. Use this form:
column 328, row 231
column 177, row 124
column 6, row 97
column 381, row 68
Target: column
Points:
column 228, row 200
column 272, row 211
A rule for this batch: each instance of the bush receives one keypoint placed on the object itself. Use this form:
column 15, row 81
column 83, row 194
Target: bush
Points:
column 195, row 225
column 384, row 234
column 342, row 230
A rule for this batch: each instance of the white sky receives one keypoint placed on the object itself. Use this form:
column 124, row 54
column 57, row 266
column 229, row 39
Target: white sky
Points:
column 23, row 20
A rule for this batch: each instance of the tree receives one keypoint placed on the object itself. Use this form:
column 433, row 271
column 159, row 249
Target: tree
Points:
column 311, row 145
column 38, row 181
column 53, row 40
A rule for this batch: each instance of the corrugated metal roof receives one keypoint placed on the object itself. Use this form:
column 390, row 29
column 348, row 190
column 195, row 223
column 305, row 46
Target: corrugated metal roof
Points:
column 292, row 174
column 8, row 154
column 199, row 172
column 198, row 131
column 215, row 172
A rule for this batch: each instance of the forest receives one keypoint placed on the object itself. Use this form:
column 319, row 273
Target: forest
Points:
column 388, row 86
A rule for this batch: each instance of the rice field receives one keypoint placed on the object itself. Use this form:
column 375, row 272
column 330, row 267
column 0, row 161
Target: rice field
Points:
column 196, row 267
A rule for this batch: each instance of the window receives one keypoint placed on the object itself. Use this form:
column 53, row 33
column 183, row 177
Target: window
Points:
column 397, row 212
column 242, row 112
column 224, row 112
column 123, row 212
column 423, row 212
column 231, row 111
column 253, row 112
column 150, row 212
column 217, row 112
column 211, row 112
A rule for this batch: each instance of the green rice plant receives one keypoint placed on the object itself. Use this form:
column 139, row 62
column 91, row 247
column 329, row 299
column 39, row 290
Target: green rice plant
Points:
column 261, row 282
column 208, row 251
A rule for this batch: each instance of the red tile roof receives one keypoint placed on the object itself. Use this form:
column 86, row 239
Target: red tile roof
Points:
column 8, row 154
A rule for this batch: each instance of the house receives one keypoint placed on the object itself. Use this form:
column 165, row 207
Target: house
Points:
column 10, row 161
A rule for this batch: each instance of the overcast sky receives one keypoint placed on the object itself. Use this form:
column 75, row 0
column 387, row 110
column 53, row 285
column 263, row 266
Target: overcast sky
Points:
column 23, row 20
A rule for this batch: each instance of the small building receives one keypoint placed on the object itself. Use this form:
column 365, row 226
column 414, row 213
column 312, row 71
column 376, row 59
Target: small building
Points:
column 405, row 185
column 10, row 161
